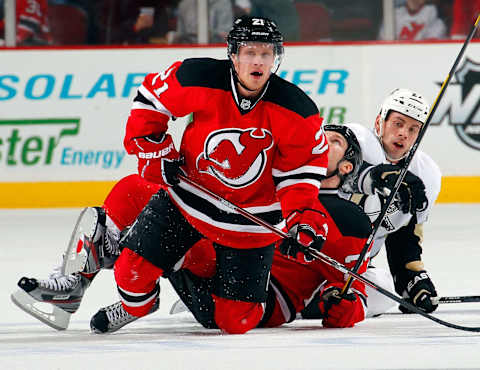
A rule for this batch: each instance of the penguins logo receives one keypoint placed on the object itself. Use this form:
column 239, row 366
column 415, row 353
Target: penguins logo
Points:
column 461, row 103
column 235, row 157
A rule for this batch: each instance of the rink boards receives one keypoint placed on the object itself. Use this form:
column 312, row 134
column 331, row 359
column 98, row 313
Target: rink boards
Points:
column 63, row 117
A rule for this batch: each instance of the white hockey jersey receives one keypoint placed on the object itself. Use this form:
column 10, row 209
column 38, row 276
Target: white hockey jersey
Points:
column 422, row 25
column 422, row 166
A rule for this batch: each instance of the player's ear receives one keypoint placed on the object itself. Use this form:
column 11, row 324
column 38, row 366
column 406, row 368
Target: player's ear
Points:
column 345, row 167
column 377, row 124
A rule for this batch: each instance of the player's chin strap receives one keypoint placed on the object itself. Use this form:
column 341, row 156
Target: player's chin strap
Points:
column 336, row 172
column 323, row 257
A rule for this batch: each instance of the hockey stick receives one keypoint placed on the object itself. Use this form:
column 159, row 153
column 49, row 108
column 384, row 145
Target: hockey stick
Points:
column 324, row 258
column 457, row 299
column 409, row 158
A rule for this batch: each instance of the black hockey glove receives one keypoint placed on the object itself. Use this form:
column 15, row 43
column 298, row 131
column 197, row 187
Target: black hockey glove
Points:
column 307, row 229
column 291, row 246
column 419, row 291
column 411, row 193
column 171, row 169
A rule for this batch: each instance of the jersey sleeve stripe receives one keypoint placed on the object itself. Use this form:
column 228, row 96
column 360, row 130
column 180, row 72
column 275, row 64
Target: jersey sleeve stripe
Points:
column 290, row 182
column 148, row 96
column 322, row 171
column 214, row 212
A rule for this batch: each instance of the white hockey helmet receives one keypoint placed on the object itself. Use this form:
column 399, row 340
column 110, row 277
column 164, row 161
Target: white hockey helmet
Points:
column 406, row 102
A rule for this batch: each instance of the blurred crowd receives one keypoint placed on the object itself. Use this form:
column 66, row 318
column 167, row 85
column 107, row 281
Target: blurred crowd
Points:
column 128, row 22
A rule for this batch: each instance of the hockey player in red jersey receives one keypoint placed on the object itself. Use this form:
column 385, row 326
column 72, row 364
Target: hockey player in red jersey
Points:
column 256, row 140
column 298, row 279
column 294, row 281
column 31, row 23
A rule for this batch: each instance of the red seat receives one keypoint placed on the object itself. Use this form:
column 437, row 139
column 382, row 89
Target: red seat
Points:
column 314, row 20
column 68, row 24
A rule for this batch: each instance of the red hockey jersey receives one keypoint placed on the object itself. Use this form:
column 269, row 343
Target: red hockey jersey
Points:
column 32, row 22
column 295, row 282
column 266, row 155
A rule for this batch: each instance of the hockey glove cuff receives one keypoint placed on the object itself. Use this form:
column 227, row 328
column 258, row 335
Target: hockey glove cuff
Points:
column 158, row 160
column 419, row 290
column 308, row 229
column 340, row 312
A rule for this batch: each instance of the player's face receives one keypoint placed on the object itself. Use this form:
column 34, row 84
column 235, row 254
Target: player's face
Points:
column 253, row 65
column 399, row 134
column 337, row 145
column 415, row 5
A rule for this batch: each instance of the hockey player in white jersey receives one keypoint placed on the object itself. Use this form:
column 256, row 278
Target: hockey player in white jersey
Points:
column 384, row 148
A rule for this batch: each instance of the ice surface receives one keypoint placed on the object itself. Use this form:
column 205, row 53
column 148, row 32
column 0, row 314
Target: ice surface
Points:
column 32, row 242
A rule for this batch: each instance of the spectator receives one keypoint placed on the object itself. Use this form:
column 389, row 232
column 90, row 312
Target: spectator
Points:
column 465, row 13
column 282, row 12
column 131, row 21
column 241, row 7
column 354, row 19
column 220, row 19
column 31, row 23
column 417, row 21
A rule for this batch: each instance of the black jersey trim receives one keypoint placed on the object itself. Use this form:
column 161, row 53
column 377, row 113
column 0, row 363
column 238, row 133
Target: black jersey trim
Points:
column 215, row 73
column 211, row 211
column 349, row 217
column 290, row 96
column 142, row 99
column 138, row 298
column 300, row 176
column 204, row 72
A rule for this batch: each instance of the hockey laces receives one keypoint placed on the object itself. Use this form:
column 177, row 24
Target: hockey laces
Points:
column 116, row 314
column 57, row 281
column 112, row 238
column 111, row 243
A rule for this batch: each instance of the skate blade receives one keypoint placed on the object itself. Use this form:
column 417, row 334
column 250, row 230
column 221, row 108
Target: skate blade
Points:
column 51, row 315
column 75, row 256
column 178, row 307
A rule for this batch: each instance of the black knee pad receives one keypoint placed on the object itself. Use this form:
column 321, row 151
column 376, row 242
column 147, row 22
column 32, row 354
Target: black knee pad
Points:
column 243, row 274
column 160, row 233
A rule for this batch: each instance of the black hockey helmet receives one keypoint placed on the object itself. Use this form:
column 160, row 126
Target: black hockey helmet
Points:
column 353, row 153
column 255, row 29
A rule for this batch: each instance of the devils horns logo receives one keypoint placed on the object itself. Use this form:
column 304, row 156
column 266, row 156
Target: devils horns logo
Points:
column 461, row 103
column 235, row 157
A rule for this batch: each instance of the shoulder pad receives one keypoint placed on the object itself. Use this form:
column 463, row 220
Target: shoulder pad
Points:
column 290, row 96
column 348, row 216
column 204, row 72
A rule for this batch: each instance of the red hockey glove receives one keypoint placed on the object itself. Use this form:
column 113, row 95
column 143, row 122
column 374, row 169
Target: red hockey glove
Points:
column 339, row 312
column 308, row 229
column 158, row 160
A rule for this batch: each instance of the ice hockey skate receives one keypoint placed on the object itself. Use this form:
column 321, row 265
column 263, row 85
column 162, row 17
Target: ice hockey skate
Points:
column 111, row 318
column 91, row 246
column 52, row 300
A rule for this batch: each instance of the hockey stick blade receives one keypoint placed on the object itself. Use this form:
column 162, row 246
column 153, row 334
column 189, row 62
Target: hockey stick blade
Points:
column 326, row 259
column 457, row 299
column 337, row 265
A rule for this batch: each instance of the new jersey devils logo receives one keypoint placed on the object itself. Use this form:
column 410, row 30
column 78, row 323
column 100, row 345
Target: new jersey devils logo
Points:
column 235, row 157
